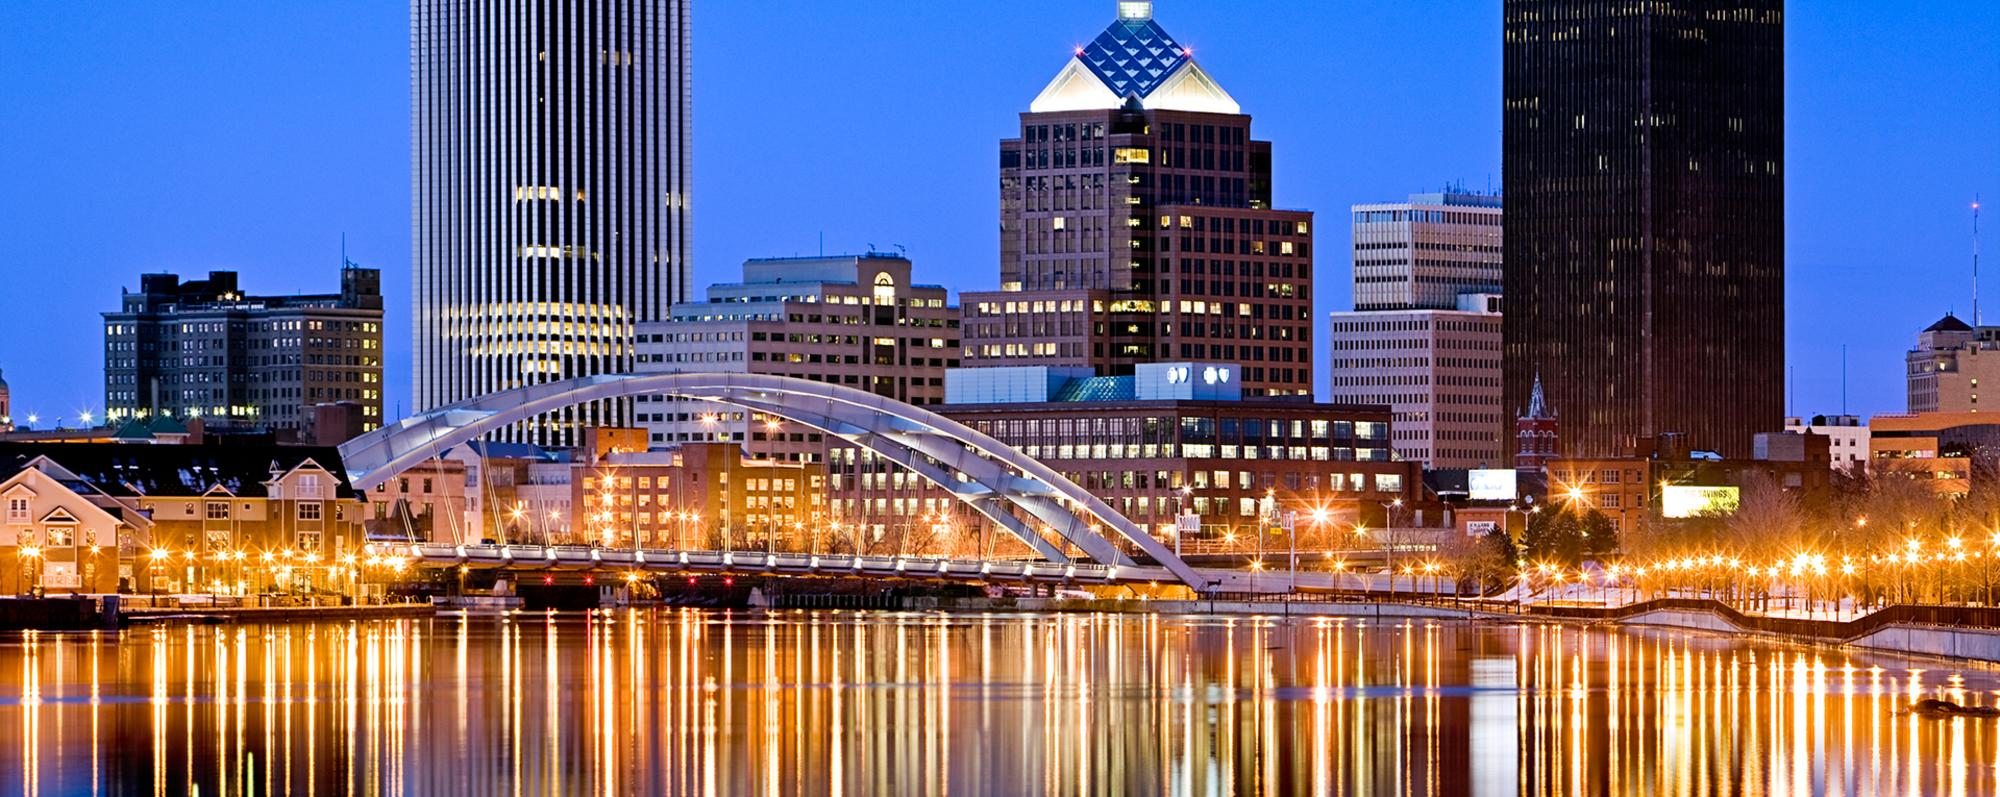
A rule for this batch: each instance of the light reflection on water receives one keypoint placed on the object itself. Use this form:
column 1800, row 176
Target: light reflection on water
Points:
column 688, row 702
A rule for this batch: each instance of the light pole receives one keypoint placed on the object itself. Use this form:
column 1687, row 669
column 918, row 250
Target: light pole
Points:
column 1186, row 492
column 31, row 557
column 1389, row 544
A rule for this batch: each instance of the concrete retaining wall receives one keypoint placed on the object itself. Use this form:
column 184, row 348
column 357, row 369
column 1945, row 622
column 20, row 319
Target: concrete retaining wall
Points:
column 1923, row 640
column 1677, row 618
column 1959, row 643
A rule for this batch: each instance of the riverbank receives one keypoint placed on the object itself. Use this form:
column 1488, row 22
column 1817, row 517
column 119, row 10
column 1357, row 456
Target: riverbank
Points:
column 1953, row 633
column 1907, row 630
column 277, row 614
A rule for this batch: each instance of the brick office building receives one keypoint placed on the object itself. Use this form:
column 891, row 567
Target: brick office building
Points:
column 1137, row 225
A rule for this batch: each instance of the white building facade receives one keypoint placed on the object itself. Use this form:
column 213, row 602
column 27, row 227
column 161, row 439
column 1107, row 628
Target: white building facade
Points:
column 1425, row 252
column 1847, row 439
column 1439, row 373
column 549, row 155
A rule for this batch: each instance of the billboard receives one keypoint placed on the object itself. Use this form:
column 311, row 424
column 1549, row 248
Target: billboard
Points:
column 1491, row 485
column 1685, row 501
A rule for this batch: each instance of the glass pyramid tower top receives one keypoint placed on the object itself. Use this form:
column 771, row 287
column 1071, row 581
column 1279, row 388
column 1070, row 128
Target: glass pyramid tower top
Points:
column 1134, row 58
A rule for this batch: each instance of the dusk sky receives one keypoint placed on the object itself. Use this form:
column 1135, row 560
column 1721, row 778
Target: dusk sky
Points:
column 250, row 135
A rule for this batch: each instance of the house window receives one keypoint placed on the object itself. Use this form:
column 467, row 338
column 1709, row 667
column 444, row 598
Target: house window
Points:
column 309, row 486
column 309, row 511
column 309, row 541
column 62, row 537
column 218, row 540
column 17, row 511
column 218, row 510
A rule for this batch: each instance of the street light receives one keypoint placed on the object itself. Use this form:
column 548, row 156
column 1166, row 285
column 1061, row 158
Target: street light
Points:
column 29, row 579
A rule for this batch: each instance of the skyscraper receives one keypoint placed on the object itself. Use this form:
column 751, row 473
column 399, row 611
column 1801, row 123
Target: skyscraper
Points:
column 1137, row 226
column 549, row 160
column 1645, row 276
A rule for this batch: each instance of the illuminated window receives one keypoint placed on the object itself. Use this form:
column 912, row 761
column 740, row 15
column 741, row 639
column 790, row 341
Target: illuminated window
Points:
column 1132, row 155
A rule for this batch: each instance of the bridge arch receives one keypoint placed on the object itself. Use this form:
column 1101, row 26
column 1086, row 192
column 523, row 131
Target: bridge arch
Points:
column 996, row 478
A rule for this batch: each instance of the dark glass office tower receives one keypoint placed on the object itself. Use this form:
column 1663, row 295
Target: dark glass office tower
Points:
column 1645, row 255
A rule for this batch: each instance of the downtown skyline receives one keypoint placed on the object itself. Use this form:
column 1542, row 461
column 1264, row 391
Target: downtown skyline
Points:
column 1891, row 131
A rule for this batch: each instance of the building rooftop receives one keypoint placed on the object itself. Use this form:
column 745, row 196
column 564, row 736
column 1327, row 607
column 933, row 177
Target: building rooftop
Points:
column 1949, row 323
column 189, row 470
column 1134, row 60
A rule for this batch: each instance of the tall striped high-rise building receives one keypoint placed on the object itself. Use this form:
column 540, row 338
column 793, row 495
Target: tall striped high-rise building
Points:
column 549, row 154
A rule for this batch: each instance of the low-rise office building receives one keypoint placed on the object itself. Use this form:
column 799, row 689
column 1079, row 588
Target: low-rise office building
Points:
column 1427, row 252
column 855, row 320
column 1437, row 370
column 701, row 496
column 1173, row 439
column 1948, row 363
column 1665, row 478
column 204, row 349
column 1939, row 449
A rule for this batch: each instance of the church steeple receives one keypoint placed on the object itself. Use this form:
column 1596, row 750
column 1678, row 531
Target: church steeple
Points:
column 1537, row 433
column 1537, row 405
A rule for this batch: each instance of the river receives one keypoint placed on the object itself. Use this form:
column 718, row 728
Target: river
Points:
column 847, row 703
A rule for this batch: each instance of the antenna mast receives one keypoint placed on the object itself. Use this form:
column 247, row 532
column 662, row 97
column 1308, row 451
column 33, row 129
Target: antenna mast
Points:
column 1975, row 260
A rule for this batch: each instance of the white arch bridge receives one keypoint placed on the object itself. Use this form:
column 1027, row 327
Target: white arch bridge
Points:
column 991, row 477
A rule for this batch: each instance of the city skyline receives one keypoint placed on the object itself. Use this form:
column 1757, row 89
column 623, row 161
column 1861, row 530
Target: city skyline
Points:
column 1882, row 206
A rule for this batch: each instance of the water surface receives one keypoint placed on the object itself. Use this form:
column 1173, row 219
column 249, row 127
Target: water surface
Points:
column 691, row 702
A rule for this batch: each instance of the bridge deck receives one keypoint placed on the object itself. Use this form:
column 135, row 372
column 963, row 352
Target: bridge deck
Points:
column 627, row 560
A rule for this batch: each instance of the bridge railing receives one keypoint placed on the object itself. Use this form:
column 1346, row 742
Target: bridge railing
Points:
column 572, row 557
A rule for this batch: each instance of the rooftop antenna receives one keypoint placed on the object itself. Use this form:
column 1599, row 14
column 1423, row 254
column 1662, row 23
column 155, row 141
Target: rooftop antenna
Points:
column 1975, row 260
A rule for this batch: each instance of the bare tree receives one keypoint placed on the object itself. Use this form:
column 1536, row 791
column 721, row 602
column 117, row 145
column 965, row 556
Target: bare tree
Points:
column 1768, row 522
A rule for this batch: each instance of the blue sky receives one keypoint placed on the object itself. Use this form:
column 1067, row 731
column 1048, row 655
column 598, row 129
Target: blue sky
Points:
column 250, row 135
